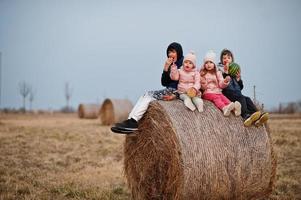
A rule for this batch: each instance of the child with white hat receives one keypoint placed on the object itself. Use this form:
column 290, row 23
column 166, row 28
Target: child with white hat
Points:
column 212, row 82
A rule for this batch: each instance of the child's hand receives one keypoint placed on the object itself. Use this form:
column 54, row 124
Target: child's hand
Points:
column 238, row 76
column 226, row 68
column 168, row 62
column 203, row 81
column 174, row 67
column 227, row 79
column 169, row 97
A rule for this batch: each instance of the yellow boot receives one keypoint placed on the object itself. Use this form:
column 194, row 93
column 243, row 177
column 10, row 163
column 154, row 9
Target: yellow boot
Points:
column 254, row 117
column 263, row 118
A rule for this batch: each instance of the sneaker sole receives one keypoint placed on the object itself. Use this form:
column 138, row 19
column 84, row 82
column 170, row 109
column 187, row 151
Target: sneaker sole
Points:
column 120, row 131
column 129, row 129
column 237, row 108
column 232, row 106
column 263, row 118
column 229, row 109
column 255, row 116
column 120, row 127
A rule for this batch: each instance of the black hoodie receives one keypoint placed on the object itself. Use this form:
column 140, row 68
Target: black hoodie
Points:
column 165, row 78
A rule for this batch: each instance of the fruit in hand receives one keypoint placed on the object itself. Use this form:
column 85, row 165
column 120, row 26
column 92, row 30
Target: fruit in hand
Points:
column 191, row 92
column 233, row 69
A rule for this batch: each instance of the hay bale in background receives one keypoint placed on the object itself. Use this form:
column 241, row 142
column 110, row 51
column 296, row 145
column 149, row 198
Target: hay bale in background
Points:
column 114, row 110
column 179, row 154
column 88, row 111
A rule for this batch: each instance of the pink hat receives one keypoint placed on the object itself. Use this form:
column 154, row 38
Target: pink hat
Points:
column 191, row 57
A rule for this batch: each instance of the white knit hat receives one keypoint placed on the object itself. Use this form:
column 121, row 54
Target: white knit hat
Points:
column 210, row 56
column 191, row 57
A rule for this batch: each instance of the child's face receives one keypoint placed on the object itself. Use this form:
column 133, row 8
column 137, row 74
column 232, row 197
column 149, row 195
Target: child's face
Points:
column 227, row 59
column 209, row 65
column 188, row 65
column 173, row 54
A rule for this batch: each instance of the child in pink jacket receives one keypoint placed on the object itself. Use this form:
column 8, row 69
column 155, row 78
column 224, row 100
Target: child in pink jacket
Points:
column 212, row 82
column 189, row 82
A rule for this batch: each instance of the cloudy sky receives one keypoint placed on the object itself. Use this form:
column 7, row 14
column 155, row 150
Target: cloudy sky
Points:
column 116, row 49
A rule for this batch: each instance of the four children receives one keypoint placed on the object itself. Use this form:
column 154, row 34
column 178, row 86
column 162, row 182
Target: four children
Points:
column 181, row 76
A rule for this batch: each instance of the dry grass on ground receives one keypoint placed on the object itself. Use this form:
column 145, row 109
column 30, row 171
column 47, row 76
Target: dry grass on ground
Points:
column 62, row 157
column 59, row 157
column 286, row 135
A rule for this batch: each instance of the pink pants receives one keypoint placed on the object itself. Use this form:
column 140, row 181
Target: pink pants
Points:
column 219, row 100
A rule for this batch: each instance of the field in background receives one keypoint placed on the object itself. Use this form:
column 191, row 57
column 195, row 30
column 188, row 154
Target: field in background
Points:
column 286, row 135
column 62, row 157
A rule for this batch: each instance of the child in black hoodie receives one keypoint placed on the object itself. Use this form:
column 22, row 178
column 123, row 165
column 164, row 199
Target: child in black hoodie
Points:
column 249, row 112
column 174, row 58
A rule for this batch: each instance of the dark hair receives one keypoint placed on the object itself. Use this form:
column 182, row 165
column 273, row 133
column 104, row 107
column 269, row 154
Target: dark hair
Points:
column 177, row 47
column 226, row 52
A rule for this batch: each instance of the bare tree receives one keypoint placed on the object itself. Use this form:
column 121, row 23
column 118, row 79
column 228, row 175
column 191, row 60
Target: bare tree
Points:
column 280, row 108
column 299, row 105
column 24, row 89
column 31, row 97
column 68, row 94
column 291, row 107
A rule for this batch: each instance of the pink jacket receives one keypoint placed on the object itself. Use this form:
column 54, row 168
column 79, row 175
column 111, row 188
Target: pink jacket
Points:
column 186, row 79
column 214, row 83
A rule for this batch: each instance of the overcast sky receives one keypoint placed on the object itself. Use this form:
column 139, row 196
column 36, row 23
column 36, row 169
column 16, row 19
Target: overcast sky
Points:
column 117, row 49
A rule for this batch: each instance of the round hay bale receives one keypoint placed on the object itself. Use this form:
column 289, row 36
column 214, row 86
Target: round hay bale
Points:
column 88, row 111
column 114, row 110
column 179, row 154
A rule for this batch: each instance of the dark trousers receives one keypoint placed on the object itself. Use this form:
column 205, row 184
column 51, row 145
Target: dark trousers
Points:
column 250, row 105
column 247, row 105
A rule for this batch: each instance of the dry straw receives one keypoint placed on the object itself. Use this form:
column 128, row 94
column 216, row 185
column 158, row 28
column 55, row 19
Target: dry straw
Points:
column 88, row 111
column 114, row 110
column 179, row 154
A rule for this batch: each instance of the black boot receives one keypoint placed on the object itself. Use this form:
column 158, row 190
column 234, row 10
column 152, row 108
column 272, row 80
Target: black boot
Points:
column 127, row 126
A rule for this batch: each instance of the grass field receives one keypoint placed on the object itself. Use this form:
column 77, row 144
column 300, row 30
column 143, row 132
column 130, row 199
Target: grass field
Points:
column 62, row 157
